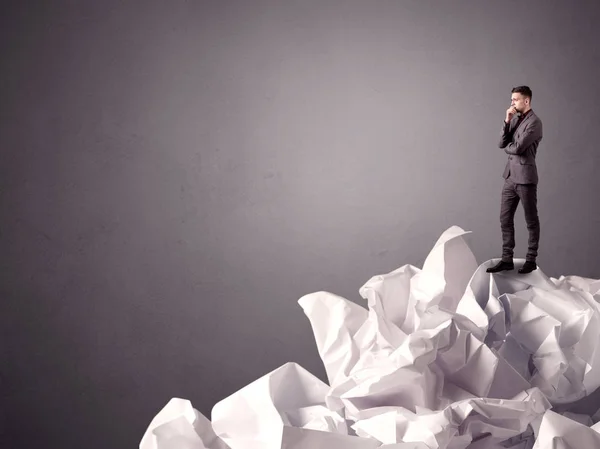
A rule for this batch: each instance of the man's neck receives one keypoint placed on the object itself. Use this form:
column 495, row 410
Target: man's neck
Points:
column 526, row 111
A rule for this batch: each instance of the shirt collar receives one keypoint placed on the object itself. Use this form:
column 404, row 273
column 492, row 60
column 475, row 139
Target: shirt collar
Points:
column 526, row 114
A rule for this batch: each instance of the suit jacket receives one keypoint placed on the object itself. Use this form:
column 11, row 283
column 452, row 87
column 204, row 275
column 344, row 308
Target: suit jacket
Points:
column 521, row 143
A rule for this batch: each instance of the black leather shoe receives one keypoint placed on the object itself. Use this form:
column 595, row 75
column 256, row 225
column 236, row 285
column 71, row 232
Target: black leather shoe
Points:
column 527, row 267
column 501, row 266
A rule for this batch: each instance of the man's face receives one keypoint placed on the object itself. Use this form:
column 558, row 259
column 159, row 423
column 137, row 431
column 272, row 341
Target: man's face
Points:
column 519, row 101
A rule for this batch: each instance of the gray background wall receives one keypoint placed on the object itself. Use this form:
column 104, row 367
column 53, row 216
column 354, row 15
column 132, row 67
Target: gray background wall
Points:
column 175, row 175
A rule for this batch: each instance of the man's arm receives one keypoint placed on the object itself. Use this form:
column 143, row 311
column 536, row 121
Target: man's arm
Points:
column 506, row 135
column 532, row 133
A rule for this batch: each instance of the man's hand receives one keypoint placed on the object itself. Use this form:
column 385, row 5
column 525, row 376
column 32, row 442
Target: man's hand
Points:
column 510, row 112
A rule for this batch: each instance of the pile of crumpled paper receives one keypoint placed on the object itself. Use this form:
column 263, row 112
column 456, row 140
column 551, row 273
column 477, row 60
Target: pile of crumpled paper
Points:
column 445, row 357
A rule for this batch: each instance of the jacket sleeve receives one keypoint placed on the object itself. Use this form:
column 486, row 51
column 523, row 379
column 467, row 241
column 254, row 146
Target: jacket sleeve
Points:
column 531, row 134
column 505, row 136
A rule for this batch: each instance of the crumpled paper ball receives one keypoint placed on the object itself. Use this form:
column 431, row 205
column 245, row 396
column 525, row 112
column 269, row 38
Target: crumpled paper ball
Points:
column 443, row 357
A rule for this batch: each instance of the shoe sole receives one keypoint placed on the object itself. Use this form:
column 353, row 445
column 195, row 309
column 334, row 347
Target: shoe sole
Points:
column 504, row 269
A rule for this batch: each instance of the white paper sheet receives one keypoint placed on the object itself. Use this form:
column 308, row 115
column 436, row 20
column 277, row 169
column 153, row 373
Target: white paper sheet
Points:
column 443, row 357
column 560, row 432
column 255, row 416
column 179, row 426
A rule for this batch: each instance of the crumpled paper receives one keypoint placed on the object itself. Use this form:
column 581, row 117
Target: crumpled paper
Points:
column 443, row 357
column 179, row 425
column 255, row 416
column 559, row 432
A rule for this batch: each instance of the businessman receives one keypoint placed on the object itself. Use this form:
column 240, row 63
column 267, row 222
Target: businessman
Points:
column 520, row 138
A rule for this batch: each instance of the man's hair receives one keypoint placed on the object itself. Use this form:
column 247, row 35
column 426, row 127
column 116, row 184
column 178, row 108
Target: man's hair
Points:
column 523, row 90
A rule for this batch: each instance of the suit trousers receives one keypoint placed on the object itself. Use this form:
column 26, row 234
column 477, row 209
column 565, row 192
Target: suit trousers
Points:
column 511, row 195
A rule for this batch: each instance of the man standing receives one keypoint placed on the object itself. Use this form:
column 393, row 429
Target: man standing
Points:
column 520, row 138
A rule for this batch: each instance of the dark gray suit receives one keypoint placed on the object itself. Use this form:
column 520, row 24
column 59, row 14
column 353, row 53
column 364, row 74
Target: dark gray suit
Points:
column 520, row 139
